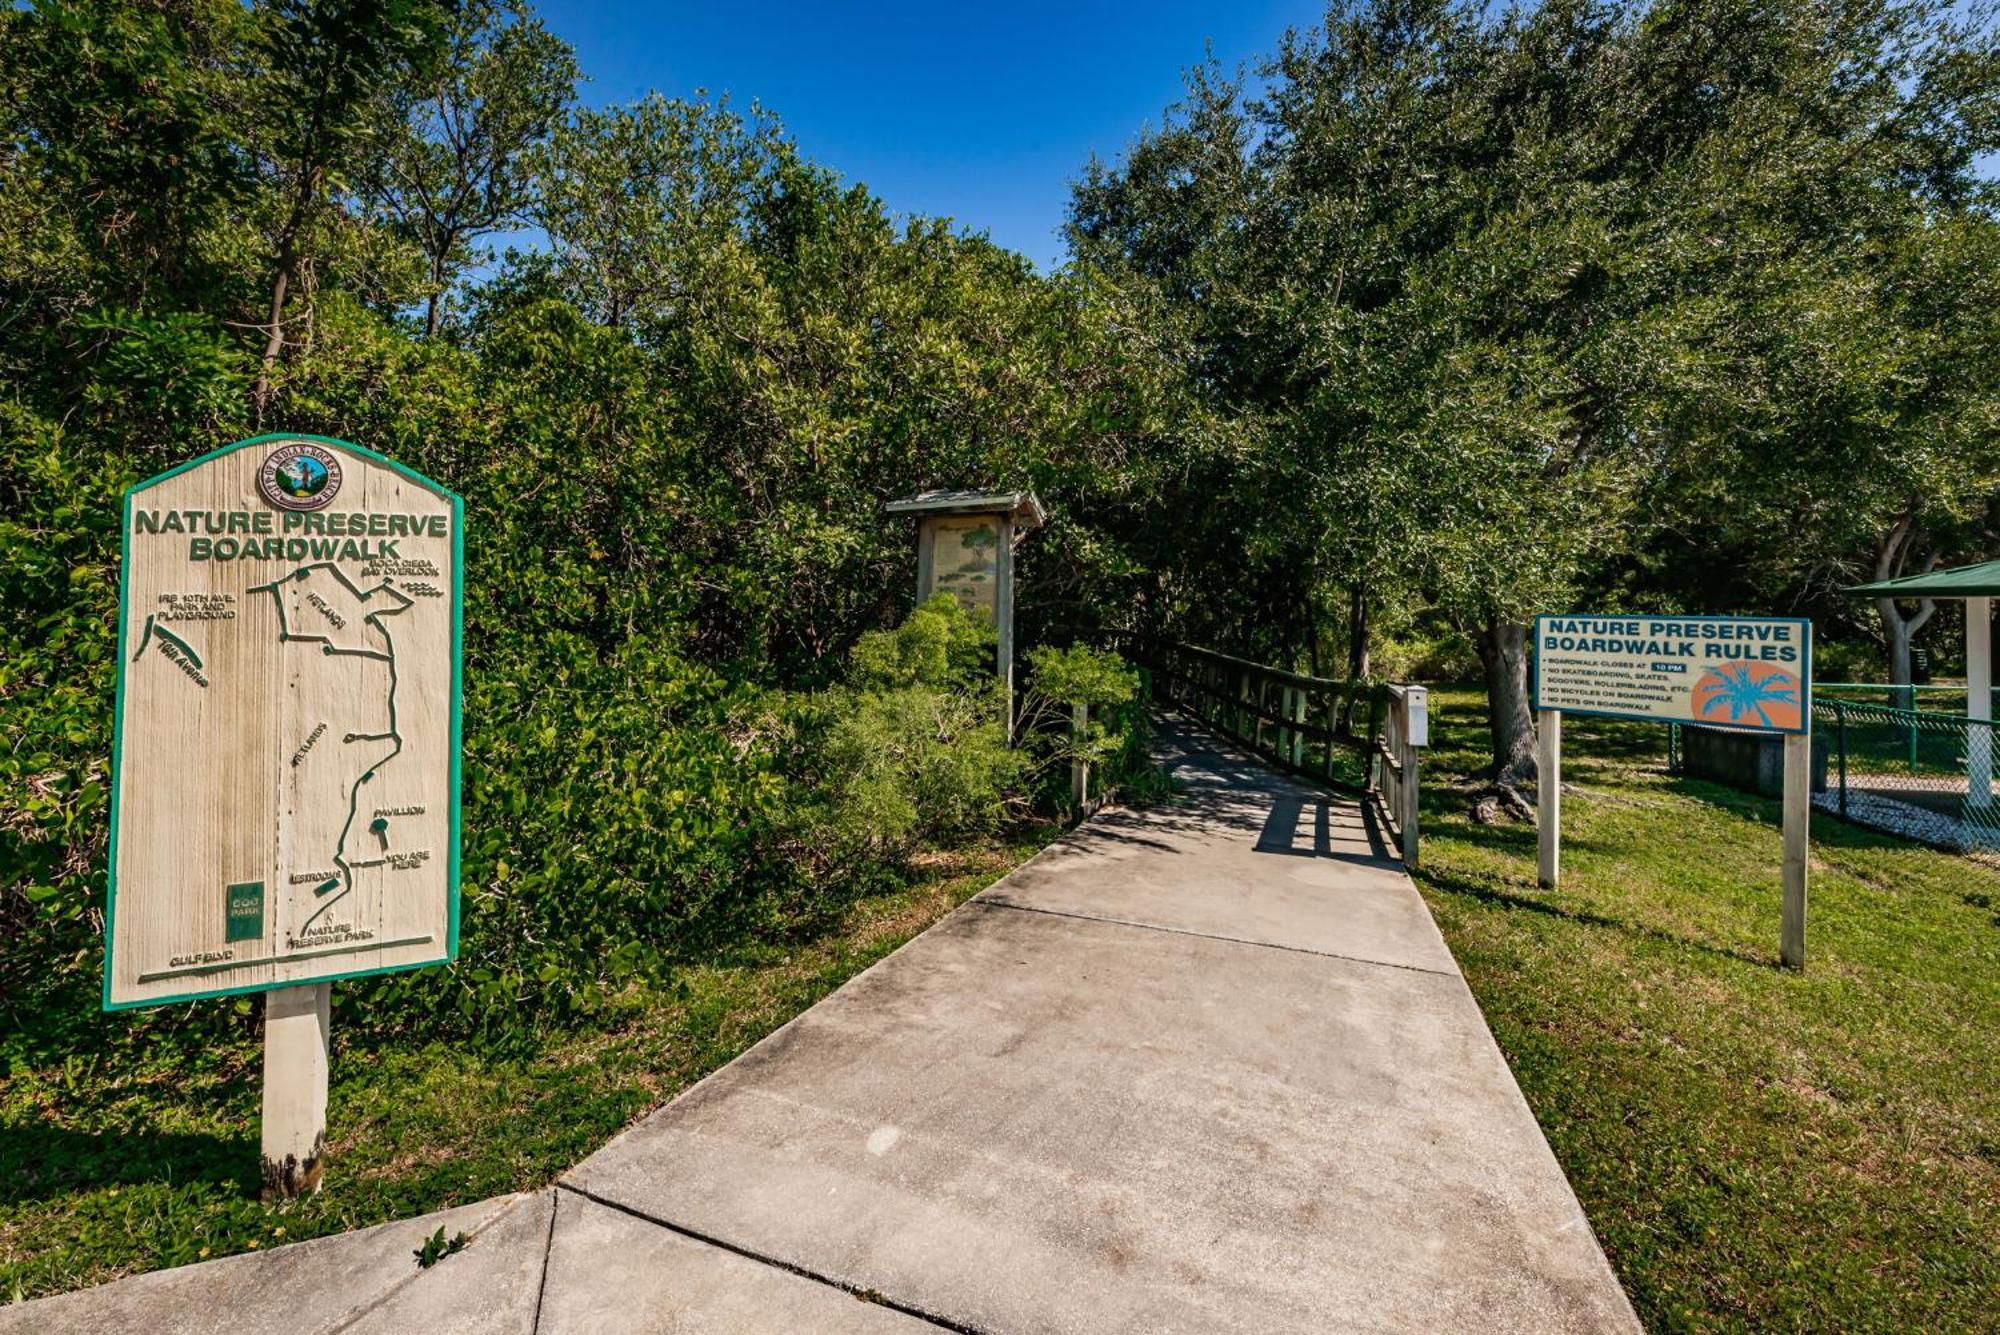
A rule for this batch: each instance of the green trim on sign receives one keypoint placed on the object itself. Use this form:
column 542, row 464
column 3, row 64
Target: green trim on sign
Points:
column 443, row 493
column 455, row 742
column 456, row 745
column 117, row 736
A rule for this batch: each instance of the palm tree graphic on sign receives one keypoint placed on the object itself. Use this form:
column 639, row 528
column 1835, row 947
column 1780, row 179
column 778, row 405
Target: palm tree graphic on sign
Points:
column 1753, row 694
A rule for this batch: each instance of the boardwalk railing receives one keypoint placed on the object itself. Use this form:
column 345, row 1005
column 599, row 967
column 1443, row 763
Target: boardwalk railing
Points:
column 1405, row 731
column 1354, row 735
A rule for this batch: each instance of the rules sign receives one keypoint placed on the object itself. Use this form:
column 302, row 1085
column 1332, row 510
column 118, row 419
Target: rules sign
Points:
column 285, row 764
column 1737, row 672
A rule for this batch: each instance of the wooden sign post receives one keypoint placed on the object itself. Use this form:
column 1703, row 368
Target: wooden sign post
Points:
column 285, row 804
column 1548, row 797
column 1751, row 674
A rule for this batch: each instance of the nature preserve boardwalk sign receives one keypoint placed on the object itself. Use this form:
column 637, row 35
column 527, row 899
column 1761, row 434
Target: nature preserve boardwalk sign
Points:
column 1738, row 672
column 285, row 763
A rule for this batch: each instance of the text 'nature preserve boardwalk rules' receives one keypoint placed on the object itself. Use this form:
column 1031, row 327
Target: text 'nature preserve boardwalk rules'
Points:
column 285, row 779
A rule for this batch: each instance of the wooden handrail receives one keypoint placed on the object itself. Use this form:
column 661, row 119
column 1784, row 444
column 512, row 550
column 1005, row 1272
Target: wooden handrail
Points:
column 1232, row 695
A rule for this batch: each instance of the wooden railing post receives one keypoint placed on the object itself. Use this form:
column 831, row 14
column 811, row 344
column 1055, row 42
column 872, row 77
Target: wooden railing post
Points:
column 1374, row 732
column 1332, row 727
column 1409, row 820
column 1298, row 716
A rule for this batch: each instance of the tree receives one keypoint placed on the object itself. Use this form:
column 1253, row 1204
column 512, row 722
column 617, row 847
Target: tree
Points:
column 123, row 165
column 1505, row 295
column 1403, row 316
column 1836, row 408
column 325, row 65
column 633, row 198
column 452, row 159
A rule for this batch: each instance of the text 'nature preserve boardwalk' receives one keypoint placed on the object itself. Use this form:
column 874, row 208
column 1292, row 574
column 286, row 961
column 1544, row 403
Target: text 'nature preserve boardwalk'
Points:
column 1208, row 1067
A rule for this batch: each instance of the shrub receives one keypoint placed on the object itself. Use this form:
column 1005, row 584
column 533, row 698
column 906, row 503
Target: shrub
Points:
column 913, row 749
column 1114, row 740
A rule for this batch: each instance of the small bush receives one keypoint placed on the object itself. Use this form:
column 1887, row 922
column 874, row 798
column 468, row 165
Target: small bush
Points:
column 913, row 750
column 1117, row 732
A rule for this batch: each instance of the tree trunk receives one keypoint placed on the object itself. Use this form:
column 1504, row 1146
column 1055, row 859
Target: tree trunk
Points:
column 1357, row 634
column 434, row 303
column 1896, row 635
column 1503, row 652
column 284, row 273
column 1891, row 558
column 274, row 341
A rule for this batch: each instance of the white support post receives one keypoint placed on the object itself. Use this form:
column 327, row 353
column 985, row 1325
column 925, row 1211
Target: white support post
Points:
column 1079, row 768
column 1548, row 797
column 296, row 1030
column 1003, row 615
column 1979, row 702
column 1798, row 818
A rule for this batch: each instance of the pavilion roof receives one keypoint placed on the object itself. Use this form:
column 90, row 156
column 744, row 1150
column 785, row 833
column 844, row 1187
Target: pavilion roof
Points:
column 1973, row 581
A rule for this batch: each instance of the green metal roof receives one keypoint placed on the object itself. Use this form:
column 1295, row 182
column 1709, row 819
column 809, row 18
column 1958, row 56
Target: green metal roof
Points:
column 1975, row 581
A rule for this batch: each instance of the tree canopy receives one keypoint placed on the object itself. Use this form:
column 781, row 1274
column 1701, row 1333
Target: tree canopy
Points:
column 1682, row 305
column 1442, row 316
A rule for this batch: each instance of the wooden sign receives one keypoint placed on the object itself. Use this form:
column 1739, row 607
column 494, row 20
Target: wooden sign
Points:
column 285, row 763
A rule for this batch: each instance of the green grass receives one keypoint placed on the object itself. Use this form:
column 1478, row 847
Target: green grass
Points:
column 1756, row 1149
column 134, row 1160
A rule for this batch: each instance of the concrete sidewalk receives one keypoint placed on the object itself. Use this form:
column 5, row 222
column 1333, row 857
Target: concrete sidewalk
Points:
column 1204, row 1068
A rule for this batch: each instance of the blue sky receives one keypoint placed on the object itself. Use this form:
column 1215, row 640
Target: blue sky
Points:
column 980, row 113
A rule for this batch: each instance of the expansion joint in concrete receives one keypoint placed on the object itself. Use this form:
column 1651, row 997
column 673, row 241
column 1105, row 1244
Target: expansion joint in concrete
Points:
column 721, row 1244
column 1207, row 936
column 548, row 1247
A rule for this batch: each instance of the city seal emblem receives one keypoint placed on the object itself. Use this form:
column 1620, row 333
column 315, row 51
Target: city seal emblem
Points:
column 299, row 475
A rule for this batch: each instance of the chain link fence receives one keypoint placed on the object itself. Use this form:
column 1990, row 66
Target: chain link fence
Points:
column 1902, row 759
column 1919, row 772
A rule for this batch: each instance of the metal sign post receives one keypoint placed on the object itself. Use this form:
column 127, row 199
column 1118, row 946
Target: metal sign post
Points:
column 1746, row 673
column 285, row 788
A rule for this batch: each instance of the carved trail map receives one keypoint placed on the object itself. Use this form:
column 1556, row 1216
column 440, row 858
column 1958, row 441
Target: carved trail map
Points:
column 285, row 772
